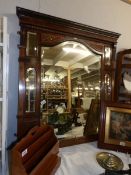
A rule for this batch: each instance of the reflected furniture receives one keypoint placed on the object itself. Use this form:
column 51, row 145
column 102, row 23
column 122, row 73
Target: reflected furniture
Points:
column 123, row 94
column 39, row 30
column 62, row 122
column 36, row 153
column 91, row 126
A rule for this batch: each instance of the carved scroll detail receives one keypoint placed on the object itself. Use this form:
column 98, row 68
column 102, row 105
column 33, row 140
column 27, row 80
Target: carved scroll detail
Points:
column 51, row 38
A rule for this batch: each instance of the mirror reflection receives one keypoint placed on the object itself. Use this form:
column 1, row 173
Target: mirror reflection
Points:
column 70, row 80
column 30, row 89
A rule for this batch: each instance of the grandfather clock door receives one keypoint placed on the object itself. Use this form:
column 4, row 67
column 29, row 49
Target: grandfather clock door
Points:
column 29, row 83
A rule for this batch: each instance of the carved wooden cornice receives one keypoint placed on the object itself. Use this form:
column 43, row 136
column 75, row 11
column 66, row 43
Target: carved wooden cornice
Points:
column 36, row 20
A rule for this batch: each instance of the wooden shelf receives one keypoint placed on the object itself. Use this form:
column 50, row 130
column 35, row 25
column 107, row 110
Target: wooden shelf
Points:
column 55, row 88
column 50, row 96
column 57, row 98
column 127, row 58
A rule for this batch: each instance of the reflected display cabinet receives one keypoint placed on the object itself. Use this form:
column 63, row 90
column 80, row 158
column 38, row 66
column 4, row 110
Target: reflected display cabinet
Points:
column 45, row 35
column 53, row 93
column 3, row 92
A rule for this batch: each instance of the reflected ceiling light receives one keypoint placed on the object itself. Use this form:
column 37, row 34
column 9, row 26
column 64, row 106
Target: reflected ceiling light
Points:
column 50, row 79
column 31, row 87
column 75, row 50
column 27, row 80
column 30, row 69
column 80, row 88
column 35, row 48
column 97, row 88
column 42, row 54
column 107, row 52
column 91, row 89
column 89, row 85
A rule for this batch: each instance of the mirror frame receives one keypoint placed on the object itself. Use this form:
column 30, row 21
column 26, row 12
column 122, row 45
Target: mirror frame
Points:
column 50, row 32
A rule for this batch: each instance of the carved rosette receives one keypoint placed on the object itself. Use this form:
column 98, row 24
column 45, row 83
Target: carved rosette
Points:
column 51, row 38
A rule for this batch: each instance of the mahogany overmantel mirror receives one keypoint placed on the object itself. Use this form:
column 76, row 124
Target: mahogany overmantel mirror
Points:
column 66, row 71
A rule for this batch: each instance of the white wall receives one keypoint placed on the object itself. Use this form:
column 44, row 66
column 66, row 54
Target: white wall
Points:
column 113, row 15
column 13, row 78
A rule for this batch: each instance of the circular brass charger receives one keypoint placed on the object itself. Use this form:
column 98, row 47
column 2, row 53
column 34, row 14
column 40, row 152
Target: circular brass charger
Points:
column 109, row 161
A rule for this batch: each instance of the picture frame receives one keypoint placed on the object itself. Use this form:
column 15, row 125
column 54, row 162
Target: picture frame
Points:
column 115, row 128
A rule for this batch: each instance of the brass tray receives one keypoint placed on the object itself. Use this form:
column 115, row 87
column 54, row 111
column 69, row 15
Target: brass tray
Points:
column 109, row 161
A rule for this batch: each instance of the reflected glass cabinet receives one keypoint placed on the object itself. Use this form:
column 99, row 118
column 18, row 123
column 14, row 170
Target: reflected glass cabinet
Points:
column 43, row 58
column 3, row 92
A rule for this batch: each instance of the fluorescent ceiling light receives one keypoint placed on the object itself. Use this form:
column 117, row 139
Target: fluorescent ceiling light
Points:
column 27, row 79
column 86, row 69
column 91, row 88
column 75, row 50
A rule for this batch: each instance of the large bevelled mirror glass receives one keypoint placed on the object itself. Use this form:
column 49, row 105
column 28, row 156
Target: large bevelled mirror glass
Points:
column 70, row 80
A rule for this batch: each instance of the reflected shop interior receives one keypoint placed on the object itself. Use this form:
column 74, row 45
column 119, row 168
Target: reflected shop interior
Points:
column 70, row 81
